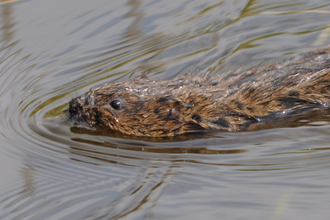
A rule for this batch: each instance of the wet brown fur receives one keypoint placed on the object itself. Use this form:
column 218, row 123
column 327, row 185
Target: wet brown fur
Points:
column 234, row 101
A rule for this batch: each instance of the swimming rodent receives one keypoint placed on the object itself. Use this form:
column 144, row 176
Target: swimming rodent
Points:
column 243, row 100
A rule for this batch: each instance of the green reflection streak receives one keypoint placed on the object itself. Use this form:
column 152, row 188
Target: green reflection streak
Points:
column 211, row 7
column 56, row 111
column 309, row 10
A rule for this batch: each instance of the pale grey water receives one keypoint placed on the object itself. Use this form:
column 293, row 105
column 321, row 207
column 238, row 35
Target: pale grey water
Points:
column 51, row 51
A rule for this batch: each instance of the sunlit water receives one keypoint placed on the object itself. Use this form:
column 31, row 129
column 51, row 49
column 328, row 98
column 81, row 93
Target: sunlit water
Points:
column 51, row 51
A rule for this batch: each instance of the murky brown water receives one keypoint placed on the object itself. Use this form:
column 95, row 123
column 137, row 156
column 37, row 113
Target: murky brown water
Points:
column 50, row 51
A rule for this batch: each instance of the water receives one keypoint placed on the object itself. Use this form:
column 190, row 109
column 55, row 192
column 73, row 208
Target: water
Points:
column 51, row 51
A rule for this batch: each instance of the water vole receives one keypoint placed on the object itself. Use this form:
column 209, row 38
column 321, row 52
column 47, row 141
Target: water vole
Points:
column 242, row 100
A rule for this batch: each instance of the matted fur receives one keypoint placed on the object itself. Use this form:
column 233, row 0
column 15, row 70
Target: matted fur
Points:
column 242, row 100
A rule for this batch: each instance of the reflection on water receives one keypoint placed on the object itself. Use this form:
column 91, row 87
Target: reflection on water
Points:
column 50, row 53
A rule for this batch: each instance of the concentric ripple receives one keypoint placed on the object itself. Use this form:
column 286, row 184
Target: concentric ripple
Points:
column 52, row 51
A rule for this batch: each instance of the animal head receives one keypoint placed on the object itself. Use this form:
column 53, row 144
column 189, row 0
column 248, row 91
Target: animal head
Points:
column 137, row 107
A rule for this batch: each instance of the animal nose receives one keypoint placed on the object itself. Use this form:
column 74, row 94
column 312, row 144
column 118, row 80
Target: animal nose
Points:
column 74, row 106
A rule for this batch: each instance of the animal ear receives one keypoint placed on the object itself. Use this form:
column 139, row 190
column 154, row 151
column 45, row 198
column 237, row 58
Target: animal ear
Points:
column 175, row 109
column 173, row 105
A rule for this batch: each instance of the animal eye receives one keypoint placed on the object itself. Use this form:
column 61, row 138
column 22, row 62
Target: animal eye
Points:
column 116, row 104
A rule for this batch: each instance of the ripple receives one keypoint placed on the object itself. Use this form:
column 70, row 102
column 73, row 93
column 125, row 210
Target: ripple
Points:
column 55, row 53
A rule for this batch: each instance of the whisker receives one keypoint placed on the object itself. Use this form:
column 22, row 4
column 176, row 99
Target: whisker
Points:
column 73, row 86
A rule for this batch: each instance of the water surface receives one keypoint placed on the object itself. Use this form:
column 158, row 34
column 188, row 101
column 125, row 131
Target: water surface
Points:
column 52, row 51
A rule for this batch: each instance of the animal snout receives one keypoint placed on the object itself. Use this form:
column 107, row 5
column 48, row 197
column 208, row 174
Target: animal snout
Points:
column 75, row 107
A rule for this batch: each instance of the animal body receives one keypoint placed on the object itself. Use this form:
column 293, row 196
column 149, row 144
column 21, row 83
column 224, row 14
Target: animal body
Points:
column 242, row 100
